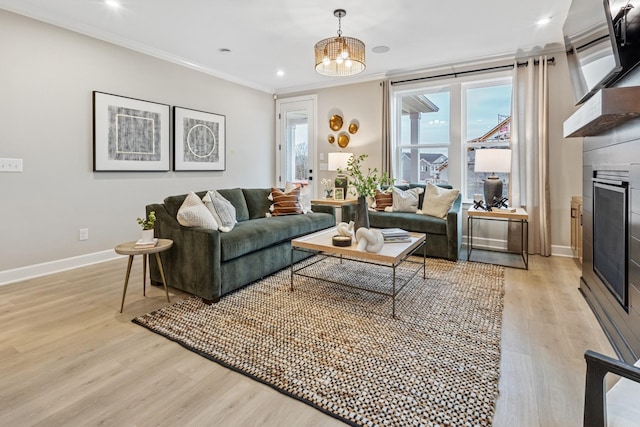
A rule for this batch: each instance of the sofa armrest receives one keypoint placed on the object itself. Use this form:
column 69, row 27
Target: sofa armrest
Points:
column 194, row 259
column 598, row 366
column 324, row 209
column 454, row 228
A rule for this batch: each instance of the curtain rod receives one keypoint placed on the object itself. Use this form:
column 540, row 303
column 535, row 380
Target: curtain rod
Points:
column 479, row 70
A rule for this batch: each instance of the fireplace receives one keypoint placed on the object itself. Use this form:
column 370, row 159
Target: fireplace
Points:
column 610, row 236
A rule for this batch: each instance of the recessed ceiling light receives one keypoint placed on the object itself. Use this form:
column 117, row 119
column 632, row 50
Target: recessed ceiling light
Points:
column 280, row 73
column 544, row 21
column 112, row 3
column 381, row 49
column 224, row 50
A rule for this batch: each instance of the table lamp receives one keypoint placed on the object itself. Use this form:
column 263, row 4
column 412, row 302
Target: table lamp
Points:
column 339, row 161
column 493, row 160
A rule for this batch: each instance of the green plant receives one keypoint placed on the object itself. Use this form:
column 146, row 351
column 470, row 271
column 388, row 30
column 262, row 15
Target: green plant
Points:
column 148, row 223
column 364, row 183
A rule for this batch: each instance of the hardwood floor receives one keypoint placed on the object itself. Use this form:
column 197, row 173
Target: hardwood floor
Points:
column 68, row 357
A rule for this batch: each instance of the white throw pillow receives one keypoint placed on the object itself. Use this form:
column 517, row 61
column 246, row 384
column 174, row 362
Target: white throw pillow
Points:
column 305, row 196
column 221, row 209
column 437, row 200
column 406, row 200
column 193, row 213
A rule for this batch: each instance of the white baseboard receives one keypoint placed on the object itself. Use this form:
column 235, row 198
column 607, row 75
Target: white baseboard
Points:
column 37, row 270
column 497, row 244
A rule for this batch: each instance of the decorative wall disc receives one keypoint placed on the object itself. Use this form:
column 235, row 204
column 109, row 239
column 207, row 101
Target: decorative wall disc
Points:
column 331, row 139
column 335, row 122
column 343, row 140
column 353, row 128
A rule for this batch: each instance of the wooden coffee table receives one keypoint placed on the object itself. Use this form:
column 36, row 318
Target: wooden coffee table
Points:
column 391, row 255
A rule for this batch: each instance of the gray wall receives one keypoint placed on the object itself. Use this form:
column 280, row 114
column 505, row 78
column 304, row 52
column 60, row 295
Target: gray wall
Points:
column 46, row 81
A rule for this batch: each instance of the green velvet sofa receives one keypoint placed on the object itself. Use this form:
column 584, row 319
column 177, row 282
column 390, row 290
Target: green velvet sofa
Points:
column 444, row 236
column 210, row 264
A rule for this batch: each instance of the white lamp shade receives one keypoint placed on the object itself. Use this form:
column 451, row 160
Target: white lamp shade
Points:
column 338, row 160
column 493, row 160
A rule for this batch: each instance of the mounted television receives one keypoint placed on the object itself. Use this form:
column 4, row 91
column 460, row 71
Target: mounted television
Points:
column 602, row 42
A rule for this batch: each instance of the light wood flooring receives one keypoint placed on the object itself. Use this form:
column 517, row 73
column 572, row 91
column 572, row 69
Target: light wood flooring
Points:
column 68, row 357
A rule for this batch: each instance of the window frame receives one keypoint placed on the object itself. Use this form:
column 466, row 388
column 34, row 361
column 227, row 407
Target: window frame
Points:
column 457, row 145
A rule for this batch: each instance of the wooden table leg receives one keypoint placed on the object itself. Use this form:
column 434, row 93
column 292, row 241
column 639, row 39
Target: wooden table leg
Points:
column 144, row 275
column 164, row 280
column 126, row 281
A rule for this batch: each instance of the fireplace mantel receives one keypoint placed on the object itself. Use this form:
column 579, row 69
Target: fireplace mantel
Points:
column 608, row 108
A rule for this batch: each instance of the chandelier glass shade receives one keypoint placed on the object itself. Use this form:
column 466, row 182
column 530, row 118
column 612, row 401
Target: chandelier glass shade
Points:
column 340, row 56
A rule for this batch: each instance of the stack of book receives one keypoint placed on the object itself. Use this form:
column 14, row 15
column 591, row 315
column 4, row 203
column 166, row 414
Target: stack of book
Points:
column 145, row 245
column 395, row 235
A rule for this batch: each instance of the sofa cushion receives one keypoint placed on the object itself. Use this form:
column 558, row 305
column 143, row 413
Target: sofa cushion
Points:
column 408, row 221
column 383, row 199
column 305, row 195
column 406, row 200
column 438, row 201
column 285, row 203
column 193, row 213
column 250, row 236
column 221, row 209
column 236, row 197
column 257, row 200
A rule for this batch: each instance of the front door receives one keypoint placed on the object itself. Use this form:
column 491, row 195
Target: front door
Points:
column 295, row 139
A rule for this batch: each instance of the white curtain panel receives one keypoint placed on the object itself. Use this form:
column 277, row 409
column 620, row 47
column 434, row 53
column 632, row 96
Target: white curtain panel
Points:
column 529, row 185
column 387, row 150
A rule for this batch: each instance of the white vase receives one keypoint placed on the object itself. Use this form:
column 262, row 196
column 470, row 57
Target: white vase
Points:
column 147, row 236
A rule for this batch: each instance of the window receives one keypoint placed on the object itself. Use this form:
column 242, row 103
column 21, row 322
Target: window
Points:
column 487, row 112
column 424, row 136
column 439, row 127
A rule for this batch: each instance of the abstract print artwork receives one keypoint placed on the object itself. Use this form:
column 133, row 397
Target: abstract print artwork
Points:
column 199, row 140
column 129, row 134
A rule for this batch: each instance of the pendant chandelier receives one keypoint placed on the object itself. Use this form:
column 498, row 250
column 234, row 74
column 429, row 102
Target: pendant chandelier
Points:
column 340, row 56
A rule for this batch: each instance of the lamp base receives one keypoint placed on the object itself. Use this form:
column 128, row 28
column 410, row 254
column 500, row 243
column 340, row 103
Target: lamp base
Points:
column 492, row 188
column 342, row 181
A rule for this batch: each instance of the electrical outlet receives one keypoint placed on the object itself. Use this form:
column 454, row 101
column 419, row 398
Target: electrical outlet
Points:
column 83, row 234
column 10, row 165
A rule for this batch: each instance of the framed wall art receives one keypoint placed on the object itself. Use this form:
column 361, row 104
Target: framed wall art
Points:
column 199, row 140
column 130, row 134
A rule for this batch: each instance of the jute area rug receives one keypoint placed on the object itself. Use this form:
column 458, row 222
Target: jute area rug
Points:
column 339, row 349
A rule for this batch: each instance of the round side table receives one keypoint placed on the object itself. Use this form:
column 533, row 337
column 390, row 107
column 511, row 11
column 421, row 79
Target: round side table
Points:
column 130, row 249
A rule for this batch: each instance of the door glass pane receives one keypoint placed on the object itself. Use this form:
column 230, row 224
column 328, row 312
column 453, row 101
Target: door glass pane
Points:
column 297, row 146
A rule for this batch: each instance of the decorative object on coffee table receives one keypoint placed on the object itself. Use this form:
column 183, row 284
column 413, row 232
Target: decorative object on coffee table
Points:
column 364, row 185
column 345, row 229
column 341, row 241
column 369, row 240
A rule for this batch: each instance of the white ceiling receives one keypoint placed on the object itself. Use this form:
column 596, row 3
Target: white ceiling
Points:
column 267, row 36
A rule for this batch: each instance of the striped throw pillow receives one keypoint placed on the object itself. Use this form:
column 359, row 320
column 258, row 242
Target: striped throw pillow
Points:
column 285, row 203
column 383, row 199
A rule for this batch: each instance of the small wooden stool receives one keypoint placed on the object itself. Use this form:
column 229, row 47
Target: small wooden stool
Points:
column 130, row 249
